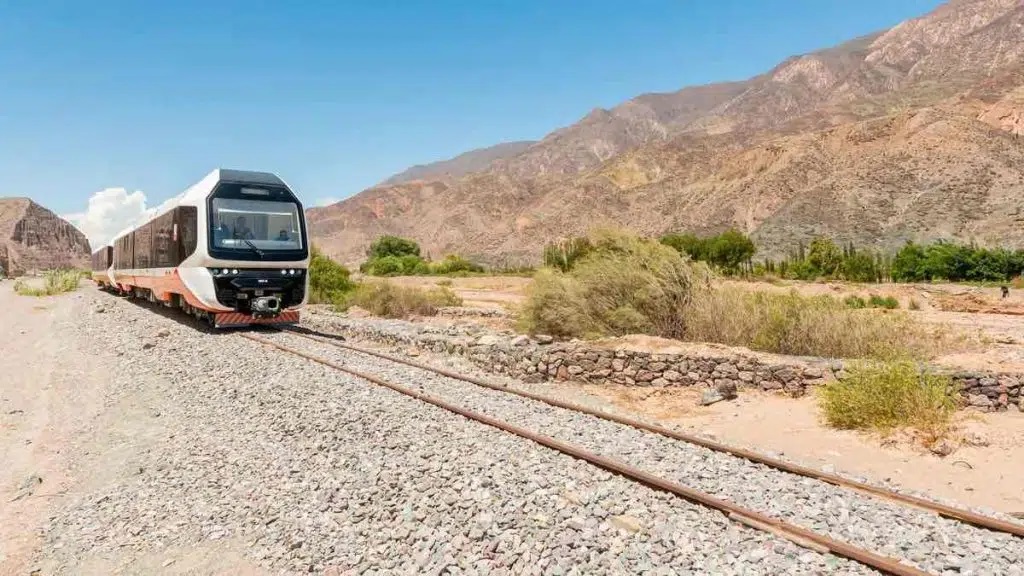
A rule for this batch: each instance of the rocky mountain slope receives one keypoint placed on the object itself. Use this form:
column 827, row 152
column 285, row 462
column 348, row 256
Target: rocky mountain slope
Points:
column 34, row 238
column 472, row 161
column 910, row 133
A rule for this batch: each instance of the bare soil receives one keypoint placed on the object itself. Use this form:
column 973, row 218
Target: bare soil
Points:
column 984, row 474
column 49, row 394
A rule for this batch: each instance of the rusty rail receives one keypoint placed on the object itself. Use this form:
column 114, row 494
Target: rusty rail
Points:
column 800, row 536
column 965, row 516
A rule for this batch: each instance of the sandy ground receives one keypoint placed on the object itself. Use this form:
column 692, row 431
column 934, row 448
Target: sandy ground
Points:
column 63, row 433
column 49, row 395
column 986, row 475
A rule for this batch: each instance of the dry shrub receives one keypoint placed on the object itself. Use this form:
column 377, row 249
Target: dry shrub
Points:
column 392, row 301
column 804, row 326
column 623, row 285
column 884, row 396
column 56, row 282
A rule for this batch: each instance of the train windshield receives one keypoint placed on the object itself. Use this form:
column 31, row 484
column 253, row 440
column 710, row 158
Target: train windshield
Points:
column 245, row 224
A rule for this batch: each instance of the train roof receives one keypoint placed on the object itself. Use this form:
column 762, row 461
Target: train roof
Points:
column 202, row 189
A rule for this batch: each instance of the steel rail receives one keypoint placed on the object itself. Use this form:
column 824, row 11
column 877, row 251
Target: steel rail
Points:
column 796, row 534
column 966, row 516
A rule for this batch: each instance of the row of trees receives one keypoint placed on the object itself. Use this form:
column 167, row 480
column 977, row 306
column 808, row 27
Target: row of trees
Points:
column 731, row 252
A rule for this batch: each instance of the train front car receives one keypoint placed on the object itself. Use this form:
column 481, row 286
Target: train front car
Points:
column 256, row 248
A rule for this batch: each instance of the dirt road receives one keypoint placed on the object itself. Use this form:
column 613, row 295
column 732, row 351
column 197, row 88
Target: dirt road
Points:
column 50, row 396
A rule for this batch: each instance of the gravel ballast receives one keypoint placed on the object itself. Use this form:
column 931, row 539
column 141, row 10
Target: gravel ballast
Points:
column 297, row 468
column 933, row 543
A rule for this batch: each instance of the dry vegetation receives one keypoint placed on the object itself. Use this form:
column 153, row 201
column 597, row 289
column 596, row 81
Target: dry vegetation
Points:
column 882, row 397
column 389, row 300
column 629, row 285
column 806, row 326
column 55, row 282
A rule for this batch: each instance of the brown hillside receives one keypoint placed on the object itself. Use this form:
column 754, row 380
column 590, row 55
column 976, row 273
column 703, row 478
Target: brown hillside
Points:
column 904, row 134
column 34, row 238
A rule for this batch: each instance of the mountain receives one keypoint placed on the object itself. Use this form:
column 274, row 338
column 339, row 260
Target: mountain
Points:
column 912, row 132
column 472, row 161
column 33, row 238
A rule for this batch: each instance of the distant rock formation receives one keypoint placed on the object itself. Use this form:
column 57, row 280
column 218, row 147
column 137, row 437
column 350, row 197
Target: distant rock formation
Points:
column 33, row 238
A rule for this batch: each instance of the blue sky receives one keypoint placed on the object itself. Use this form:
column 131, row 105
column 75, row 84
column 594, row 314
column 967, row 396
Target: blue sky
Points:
column 336, row 96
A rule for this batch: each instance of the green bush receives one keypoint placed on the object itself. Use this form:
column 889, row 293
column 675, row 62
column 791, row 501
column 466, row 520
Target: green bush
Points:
column 328, row 280
column 385, row 246
column 885, row 396
column 888, row 302
column 855, row 302
column 624, row 285
column 388, row 300
column 407, row 265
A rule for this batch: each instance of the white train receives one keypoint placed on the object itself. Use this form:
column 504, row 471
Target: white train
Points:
column 232, row 249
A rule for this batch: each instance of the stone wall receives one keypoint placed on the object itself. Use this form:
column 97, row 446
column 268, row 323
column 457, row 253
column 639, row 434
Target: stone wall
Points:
column 537, row 359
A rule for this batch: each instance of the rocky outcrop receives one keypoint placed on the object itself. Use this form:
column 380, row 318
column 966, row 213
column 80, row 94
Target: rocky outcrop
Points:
column 712, row 367
column 33, row 238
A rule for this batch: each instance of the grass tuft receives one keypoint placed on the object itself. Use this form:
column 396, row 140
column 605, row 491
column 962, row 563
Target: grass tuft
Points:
column 885, row 396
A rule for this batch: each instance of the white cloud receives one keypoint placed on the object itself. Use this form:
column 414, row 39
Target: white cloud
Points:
column 327, row 201
column 109, row 212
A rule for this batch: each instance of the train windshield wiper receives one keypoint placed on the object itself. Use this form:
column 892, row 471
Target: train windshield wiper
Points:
column 254, row 248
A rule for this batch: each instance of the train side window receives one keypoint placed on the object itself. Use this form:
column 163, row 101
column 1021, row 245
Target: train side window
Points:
column 187, row 231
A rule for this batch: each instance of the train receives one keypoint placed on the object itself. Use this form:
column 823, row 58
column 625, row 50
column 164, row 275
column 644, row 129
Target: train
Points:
column 231, row 250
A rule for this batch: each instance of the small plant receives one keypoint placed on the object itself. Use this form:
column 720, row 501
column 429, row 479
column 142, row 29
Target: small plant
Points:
column 888, row 302
column 855, row 302
column 884, row 396
column 445, row 282
column 392, row 301
column 913, row 305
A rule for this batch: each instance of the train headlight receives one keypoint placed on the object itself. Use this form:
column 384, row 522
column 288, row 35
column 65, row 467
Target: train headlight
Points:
column 291, row 272
column 234, row 271
column 283, row 272
column 224, row 271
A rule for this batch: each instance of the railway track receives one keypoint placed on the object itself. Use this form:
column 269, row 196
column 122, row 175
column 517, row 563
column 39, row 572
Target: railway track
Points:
column 825, row 538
